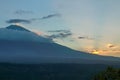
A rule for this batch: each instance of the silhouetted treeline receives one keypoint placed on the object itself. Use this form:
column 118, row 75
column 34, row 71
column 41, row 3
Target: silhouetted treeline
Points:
column 109, row 74
column 49, row 71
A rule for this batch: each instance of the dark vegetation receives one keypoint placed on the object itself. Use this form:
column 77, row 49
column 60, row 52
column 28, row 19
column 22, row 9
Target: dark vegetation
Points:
column 50, row 71
column 109, row 74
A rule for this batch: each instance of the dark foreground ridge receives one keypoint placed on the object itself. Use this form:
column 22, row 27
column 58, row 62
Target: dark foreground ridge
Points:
column 50, row 71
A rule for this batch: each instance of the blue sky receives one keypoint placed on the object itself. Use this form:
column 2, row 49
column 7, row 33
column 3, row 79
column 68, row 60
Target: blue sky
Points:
column 94, row 24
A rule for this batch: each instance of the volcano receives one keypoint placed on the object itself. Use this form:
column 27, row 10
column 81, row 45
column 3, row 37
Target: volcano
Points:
column 17, row 27
column 20, row 45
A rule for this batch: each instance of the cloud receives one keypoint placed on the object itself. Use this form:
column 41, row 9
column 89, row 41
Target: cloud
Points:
column 20, row 12
column 81, row 37
column 50, row 16
column 46, row 17
column 60, row 34
column 28, row 21
column 110, row 45
column 65, row 31
column 84, row 37
column 18, row 21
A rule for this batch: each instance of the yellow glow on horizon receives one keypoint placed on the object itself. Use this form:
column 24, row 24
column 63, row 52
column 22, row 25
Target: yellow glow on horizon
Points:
column 96, row 52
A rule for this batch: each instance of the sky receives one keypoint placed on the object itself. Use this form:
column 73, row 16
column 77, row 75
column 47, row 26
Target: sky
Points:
column 86, row 25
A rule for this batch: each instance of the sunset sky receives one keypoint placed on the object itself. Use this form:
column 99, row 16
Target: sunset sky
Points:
column 85, row 25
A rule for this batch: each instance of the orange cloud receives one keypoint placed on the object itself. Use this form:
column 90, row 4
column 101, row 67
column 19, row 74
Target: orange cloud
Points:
column 110, row 45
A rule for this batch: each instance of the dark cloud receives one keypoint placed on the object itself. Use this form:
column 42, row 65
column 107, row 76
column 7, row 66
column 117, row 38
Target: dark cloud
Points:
column 50, row 16
column 46, row 17
column 56, row 31
column 81, row 37
column 20, row 12
column 28, row 21
column 60, row 34
column 84, row 37
column 18, row 21
column 111, row 46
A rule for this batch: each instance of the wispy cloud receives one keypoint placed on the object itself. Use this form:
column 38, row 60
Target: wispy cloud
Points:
column 86, row 38
column 21, row 12
column 50, row 16
column 18, row 21
column 111, row 45
column 46, row 17
column 65, row 31
column 60, row 34
column 28, row 21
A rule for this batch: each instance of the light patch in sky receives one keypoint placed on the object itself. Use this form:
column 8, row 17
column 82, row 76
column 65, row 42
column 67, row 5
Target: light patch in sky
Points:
column 100, row 19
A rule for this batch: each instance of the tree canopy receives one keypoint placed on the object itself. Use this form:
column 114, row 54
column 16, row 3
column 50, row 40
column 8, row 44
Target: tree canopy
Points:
column 109, row 74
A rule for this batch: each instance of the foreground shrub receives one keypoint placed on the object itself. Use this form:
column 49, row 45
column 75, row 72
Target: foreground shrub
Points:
column 109, row 74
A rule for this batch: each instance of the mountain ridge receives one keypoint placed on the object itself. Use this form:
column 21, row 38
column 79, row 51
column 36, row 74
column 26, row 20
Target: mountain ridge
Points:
column 14, row 32
column 17, row 27
column 27, row 47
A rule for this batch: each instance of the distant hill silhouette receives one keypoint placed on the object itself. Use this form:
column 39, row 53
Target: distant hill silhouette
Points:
column 21, row 45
